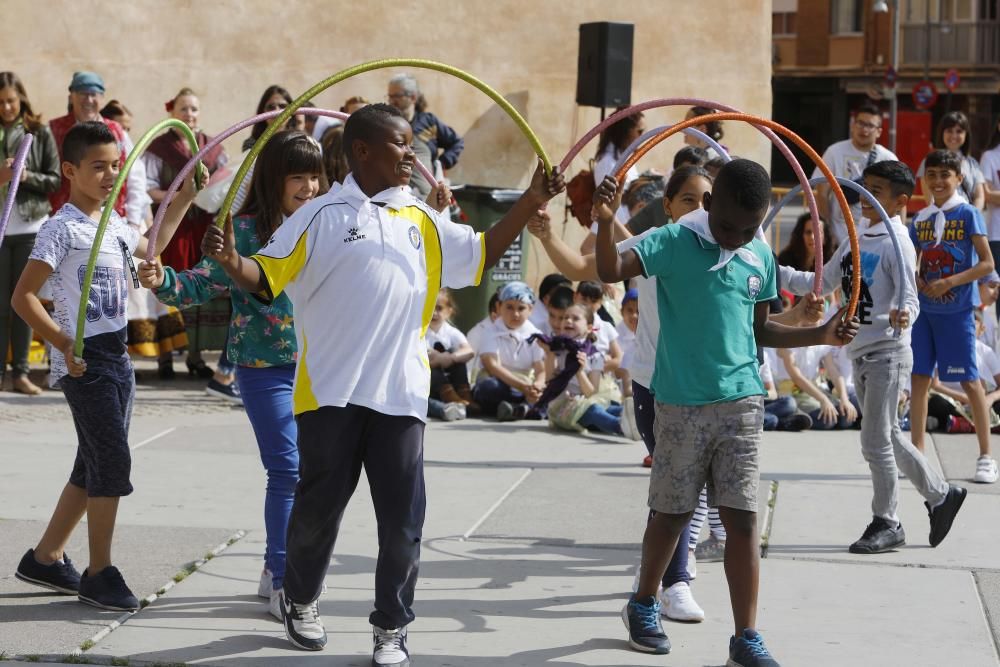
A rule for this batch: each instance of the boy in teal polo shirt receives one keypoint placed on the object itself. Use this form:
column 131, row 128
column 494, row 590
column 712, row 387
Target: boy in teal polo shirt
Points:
column 714, row 279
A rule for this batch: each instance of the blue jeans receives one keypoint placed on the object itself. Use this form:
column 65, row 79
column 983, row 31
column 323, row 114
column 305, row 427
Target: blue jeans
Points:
column 605, row 420
column 776, row 410
column 490, row 392
column 267, row 397
column 644, row 416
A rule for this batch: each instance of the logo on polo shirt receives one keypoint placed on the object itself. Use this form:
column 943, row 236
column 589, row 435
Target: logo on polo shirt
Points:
column 353, row 234
column 414, row 235
column 753, row 286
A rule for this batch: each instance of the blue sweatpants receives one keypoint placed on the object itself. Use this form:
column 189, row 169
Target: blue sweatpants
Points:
column 267, row 397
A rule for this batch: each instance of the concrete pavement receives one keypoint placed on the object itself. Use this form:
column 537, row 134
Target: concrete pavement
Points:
column 530, row 546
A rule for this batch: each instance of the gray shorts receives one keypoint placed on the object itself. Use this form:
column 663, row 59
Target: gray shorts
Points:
column 715, row 444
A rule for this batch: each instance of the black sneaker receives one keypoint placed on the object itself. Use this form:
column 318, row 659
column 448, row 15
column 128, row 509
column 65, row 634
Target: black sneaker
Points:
column 748, row 650
column 303, row 626
column 645, row 632
column 505, row 411
column 60, row 576
column 798, row 421
column 943, row 515
column 879, row 537
column 229, row 392
column 107, row 590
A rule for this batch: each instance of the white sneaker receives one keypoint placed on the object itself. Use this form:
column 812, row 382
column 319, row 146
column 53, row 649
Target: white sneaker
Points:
column 678, row 604
column 264, row 588
column 692, row 567
column 390, row 648
column 274, row 604
column 303, row 626
column 453, row 412
column 986, row 470
column 629, row 428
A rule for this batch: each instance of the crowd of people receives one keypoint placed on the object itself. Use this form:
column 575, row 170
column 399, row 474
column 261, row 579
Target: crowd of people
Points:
column 673, row 323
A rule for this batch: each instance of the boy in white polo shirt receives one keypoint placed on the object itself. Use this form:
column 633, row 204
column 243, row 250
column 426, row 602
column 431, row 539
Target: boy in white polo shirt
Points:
column 370, row 248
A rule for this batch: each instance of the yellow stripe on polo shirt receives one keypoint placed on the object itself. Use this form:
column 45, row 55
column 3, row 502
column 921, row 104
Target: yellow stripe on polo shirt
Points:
column 303, row 399
column 482, row 259
column 432, row 253
column 279, row 271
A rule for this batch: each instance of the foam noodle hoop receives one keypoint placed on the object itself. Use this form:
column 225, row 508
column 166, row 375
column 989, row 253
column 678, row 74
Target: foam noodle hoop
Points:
column 648, row 134
column 808, row 150
column 154, row 231
column 695, row 101
column 294, row 107
column 870, row 198
column 139, row 149
column 20, row 158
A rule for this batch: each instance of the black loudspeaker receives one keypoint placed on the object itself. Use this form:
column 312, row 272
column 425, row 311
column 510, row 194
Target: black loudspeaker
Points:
column 604, row 66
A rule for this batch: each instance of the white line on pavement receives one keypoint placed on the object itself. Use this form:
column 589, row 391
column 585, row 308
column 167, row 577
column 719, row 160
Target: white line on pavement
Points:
column 493, row 508
column 155, row 437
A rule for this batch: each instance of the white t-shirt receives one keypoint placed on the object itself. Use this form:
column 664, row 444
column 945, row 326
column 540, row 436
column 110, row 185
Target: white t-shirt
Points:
column 450, row 337
column 648, row 331
column 990, row 166
column 595, row 362
column 606, row 334
column 806, row 359
column 539, row 316
column 363, row 275
column 626, row 340
column 846, row 161
column 602, row 167
column 766, row 376
column 511, row 346
column 475, row 339
column 64, row 243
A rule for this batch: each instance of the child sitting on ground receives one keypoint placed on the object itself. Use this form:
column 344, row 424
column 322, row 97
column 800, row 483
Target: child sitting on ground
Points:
column 513, row 371
column 797, row 371
column 587, row 398
column 540, row 311
column 448, row 352
column 626, row 329
column 560, row 299
column 590, row 294
column 781, row 413
column 478, row 331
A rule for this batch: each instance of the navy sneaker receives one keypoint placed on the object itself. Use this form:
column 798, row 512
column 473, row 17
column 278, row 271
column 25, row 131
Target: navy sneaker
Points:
column 645, row 633
column 943, row 515
column 748, row 650
column 60, row 576
column 228, row 392
column 107, row 590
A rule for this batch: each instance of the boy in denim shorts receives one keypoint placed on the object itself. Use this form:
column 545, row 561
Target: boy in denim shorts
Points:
column 714, row 281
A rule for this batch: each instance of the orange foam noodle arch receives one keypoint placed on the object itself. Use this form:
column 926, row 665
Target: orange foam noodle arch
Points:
column 852, row 233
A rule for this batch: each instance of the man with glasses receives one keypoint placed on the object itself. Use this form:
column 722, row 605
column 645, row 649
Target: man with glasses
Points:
column 848, row 159
column 444, row 143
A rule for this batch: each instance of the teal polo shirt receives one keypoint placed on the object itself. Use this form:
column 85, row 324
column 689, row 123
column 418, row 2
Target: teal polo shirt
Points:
column 706, row 352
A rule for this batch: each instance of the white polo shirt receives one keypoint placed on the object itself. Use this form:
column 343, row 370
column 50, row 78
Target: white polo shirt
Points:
column 363, row 275
column 511, row 346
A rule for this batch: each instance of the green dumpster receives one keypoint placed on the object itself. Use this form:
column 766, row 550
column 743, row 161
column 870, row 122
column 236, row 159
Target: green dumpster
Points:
column 483, row 207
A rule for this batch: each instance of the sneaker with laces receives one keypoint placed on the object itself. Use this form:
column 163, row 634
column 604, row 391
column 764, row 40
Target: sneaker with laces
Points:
column 880, row 536
column 645, row 631
column 986, row 470
column 265, row 587
column 59, row 576
column 303, row 626
column 943, row 515
column 712, row 550
column 453, row 412
column 390, row 648
column 228, row 392
column 678, row 604
column 748, row 650
column 107, row 590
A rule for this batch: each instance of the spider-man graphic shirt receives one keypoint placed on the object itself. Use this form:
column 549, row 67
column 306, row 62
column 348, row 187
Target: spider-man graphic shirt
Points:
column 953, row 255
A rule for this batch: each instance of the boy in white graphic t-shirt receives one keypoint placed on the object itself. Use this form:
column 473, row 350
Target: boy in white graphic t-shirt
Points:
column 99, row 387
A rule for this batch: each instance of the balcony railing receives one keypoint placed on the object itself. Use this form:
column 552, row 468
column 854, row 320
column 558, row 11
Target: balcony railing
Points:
column 958, row 43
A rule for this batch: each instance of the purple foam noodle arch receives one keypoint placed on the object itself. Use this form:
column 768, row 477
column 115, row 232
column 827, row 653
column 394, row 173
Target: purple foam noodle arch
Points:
column 222, row 136
column 782, row 147
column 20, row 158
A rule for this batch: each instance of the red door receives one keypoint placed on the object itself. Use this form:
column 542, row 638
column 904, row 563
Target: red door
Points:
column 913, row 142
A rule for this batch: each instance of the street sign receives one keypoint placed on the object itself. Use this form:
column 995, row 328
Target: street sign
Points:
column 951, row 80
column 890, row 76
column 925, row 95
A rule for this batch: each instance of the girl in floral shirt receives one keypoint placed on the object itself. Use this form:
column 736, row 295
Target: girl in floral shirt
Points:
column 288, row 174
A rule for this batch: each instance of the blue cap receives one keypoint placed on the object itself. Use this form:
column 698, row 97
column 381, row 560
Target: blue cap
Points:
column 517, row 291
column 992, row 278
column 630, row 295
column 86, row 82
